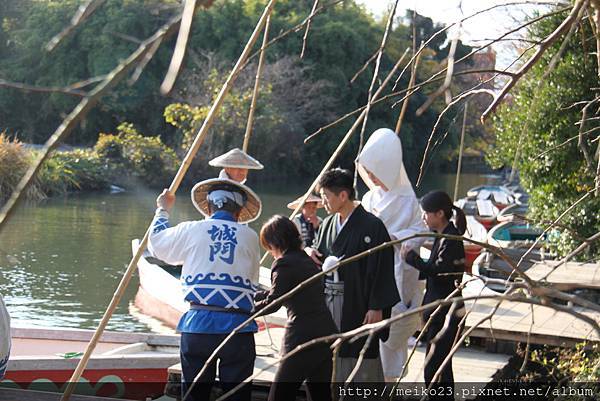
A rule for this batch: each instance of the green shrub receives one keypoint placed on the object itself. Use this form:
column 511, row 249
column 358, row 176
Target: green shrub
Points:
column 14, row 161
column 554, row 368
column 129, row 155
column 76, row 170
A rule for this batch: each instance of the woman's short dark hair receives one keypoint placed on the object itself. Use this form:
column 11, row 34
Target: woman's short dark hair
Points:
column 337, row 180
column 280, row 233
column 440, row 200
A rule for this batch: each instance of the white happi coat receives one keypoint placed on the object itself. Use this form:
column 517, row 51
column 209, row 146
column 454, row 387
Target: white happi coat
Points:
column 399, row 210
column 220, row 260
column 4, row 338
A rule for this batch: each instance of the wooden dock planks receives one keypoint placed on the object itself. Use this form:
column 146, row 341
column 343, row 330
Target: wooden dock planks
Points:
column 470, row 366
column 568, row 275
column 513, row 323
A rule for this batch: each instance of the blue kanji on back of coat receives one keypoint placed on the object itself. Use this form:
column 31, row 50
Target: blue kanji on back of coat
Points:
column 223, row 244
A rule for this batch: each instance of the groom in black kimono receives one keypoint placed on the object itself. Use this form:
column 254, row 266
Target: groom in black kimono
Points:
column 363, row 291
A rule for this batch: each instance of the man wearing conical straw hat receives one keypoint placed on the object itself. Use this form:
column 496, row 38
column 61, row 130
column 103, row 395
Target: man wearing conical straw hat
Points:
column 220, row 258
column 307, row 221
column 235, row 165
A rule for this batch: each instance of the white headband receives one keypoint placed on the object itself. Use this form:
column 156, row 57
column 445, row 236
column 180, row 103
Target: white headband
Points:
column 220, row 197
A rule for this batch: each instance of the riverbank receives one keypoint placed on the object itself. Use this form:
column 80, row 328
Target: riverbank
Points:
column 125, row 159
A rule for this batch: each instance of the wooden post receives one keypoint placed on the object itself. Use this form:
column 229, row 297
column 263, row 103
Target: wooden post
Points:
column 460, row 152
column 173, row 188
column 261, row 60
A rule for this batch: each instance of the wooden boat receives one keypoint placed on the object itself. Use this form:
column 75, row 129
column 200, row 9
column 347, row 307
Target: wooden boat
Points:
column 124, row 365
column 513, row 212
column 514, row 234
column 483, row 210
column 498, row 194
column 489, row 265
column 159, row 293
column 475, row 231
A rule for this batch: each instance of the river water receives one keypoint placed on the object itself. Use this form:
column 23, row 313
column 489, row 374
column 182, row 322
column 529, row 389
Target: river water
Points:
column 62, row 259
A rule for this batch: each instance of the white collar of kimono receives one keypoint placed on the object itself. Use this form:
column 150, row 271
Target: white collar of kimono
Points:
column 340, row 224
column 382, row 156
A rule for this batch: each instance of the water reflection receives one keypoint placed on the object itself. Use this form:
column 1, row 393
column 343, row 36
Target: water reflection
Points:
column 61, row 260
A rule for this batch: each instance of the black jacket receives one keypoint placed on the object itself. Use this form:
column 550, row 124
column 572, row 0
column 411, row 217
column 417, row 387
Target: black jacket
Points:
column 308, row 316
column 369, row 282
column 444, row 267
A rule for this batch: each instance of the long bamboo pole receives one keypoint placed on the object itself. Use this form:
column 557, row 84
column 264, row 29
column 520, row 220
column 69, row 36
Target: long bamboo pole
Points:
column 460, row 152
column 344, row 141
column 411, row 83
column 261, row 60
column 172, row 189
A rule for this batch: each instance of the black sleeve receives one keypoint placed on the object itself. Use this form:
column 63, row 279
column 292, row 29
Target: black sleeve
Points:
column 280, row 284
column 448, row 259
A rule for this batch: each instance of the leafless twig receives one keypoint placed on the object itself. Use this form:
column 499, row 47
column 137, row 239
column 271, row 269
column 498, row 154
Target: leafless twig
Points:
column 83, row 12
column 305, row 37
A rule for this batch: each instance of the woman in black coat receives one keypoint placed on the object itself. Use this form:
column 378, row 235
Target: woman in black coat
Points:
column 443, row 272
column 308, row 316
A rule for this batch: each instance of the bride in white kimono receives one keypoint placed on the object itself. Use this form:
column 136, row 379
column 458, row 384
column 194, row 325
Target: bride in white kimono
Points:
column 392, row 199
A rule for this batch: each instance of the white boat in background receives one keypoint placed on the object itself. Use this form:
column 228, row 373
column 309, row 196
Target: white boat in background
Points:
column 475, row 231
column 500, row 195
column 160, row 296
column 513, row 212
column 483, row 210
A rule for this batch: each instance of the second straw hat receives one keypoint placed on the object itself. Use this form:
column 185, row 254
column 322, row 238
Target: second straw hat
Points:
column 236, row 158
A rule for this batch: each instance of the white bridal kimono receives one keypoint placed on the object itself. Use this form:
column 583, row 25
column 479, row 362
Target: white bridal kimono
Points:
column 4, row 338
column 399, row 210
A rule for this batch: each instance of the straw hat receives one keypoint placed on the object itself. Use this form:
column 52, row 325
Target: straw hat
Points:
column 236, row 158
column 250, row 211
column 311, row 198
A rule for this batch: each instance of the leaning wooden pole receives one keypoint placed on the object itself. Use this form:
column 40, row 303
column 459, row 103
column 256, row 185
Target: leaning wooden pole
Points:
column 460, row 152
column 344, row 141
column 173, row 188
column 261, row 60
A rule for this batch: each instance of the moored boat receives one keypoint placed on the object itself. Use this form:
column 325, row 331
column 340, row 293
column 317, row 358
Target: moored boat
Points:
column 488, row 265
column 160, row 296
column 500, row 195
column 513, row 212
column 477, row 232
column 124, row 365
column 514, row 234
column 482, row 210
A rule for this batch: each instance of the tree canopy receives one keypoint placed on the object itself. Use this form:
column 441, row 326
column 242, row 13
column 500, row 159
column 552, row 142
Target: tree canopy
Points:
column 341, row 39
column 540, row 124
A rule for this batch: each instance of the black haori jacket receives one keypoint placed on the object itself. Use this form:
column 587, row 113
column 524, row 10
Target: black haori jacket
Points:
column 308, row 316
column 443, row 270
column 369, row 282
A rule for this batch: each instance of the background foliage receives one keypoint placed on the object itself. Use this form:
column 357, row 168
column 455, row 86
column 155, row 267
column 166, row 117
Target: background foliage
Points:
column 340, row 41
column 544, row 113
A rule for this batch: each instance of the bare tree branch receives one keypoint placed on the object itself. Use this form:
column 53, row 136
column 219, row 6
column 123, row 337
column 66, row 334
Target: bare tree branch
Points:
column 546, row 43
column 305, row 37
column 185, row 28
column 373, row 80
column 439, row 119
column 83, row 12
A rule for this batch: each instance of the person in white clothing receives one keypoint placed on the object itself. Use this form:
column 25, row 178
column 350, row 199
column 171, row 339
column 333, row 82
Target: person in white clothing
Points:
column 4, row 337
column 220, row 258
column 392, row 199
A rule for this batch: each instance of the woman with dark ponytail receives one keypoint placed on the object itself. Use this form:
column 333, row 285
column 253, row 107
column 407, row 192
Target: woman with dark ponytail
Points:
column 443, row 272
